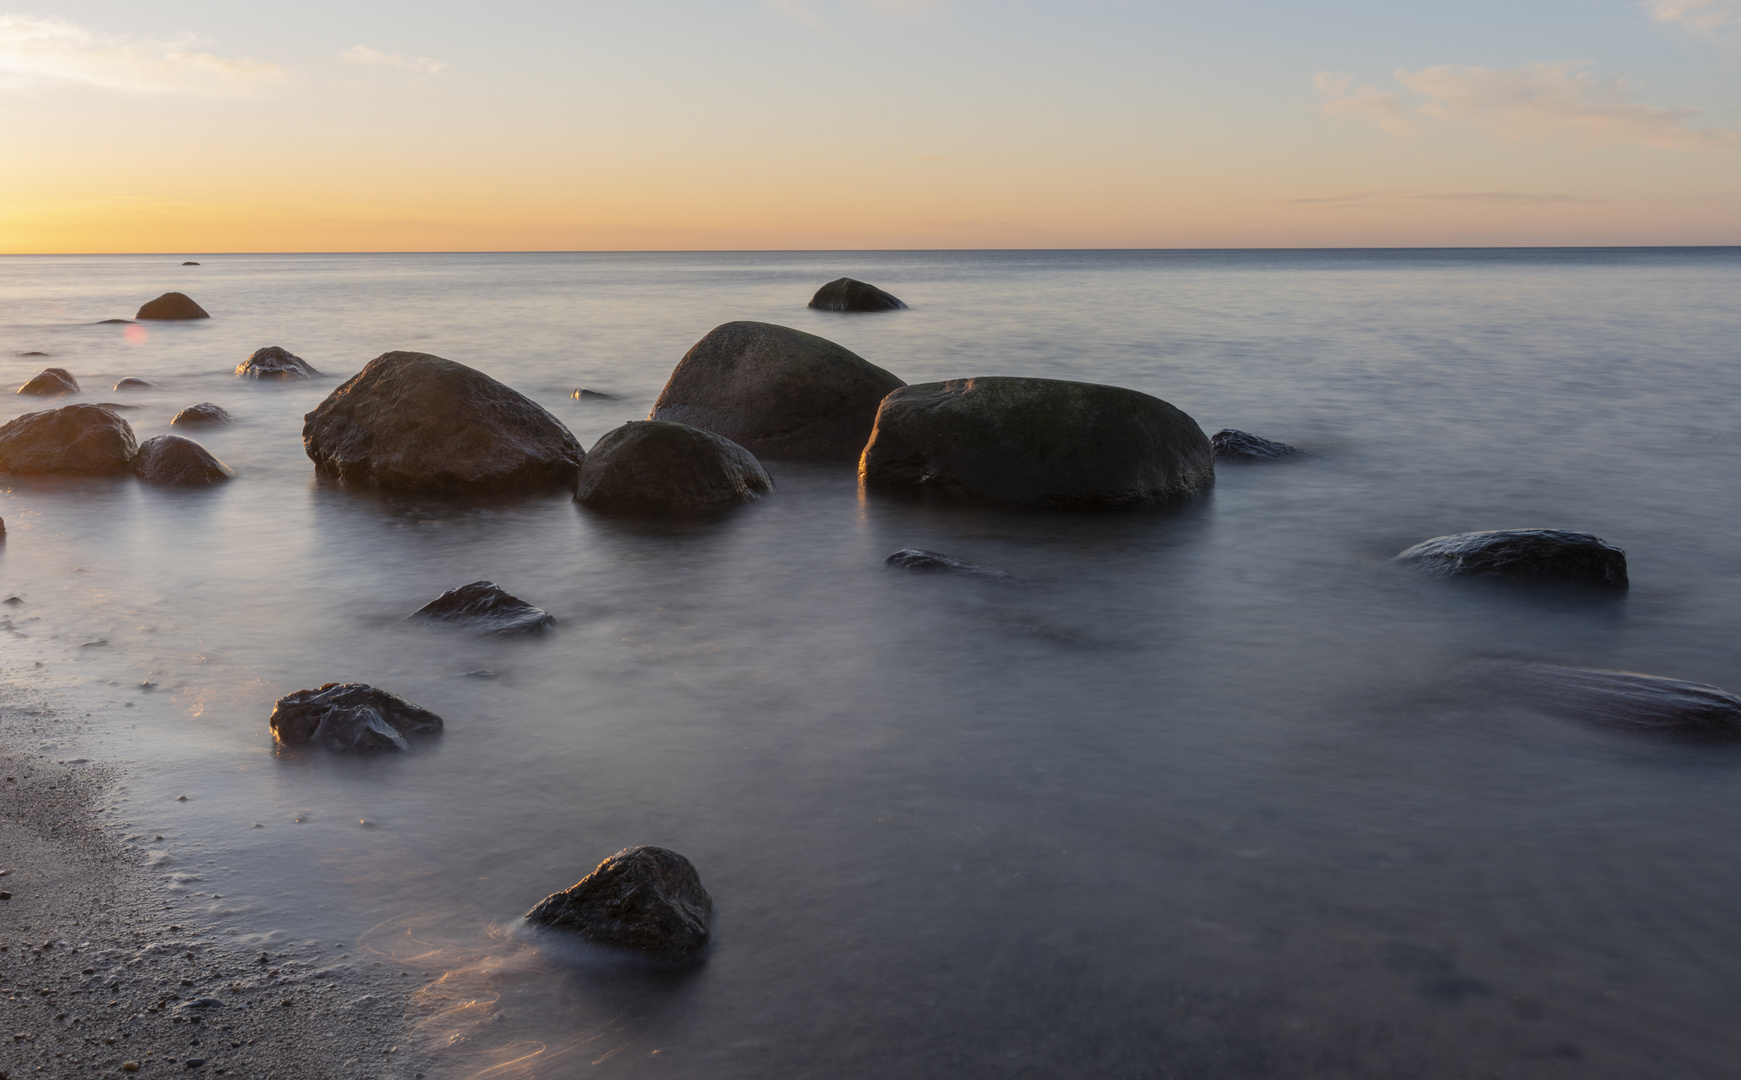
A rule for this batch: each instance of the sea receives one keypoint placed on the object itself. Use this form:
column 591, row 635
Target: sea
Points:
column 1213, row 790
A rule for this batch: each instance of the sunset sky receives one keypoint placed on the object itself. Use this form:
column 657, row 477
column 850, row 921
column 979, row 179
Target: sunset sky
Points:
column 199, row 126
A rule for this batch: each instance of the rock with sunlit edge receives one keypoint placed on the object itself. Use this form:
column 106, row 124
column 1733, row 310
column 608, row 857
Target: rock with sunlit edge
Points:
column 205, row 414
column 172, row 307
column 658, row 467
column 131, row 383
column 85, row 440
column 1232, row 444
column 486, row 608
column 51, row 382
column 349, row 717
column 172, row 461
column 645, row 900
column 848, row 294
column 920, row 561
column 1624, row 700
column 1544, row 555
column 275, row 364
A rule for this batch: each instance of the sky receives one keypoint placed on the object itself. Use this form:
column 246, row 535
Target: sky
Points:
column 438, row 125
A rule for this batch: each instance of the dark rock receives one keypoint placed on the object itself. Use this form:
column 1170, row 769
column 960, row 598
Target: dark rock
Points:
column 205, row 413
column 777, row 392
column 644, row 899
column 33, row 352
column 1619, row 699
column 116, row 406
column 51, row 382
column 487, row 609
column 846, row 294
column 171, row 306
column 1036, row 442
column 12, row 601
column 931, row 562
column 173, row 461
column 114, row 322
column 134, row 384
column 349, row 716
column 416, row 422
column 1522, row 555
column 583, row 394
column 78, row 439
column 190, row 263
column 1233, row 445
column 9, row 599
column 658, row 467
column 274, row 363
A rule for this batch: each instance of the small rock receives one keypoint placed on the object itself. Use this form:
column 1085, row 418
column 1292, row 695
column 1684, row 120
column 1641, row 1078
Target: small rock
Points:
column 129, row 1066
column 1522, row 555
column 846, row 294
column 51, row 382
column 1232, row 445
column 583, row 394
column 922, row 561
column 488, row 609
column 4, row 895
column 194, row 1063
column 1648, row 704
column 33, row 352
column 172, row 461
column 171, row 307
column 190, row 263
column 78, row 439
column 660, row 467
column 114, row 322
column 178, row 798
column 205, row 413
column 480, row 673
column 12, row 601
column 274, row 363
column 647, row 900
column 131, row 383
column 349, row 716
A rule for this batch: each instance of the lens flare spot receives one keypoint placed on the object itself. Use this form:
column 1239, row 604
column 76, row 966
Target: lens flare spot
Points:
column 136, row 334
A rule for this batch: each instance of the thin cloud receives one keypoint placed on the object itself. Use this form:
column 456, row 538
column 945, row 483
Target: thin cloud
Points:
column 1383, row 108
column 1705, row 16
column 1501, row 198
column 37, row 51
column 362, row 54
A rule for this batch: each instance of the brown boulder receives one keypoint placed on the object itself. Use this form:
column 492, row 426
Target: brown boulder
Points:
column 654, row 466
column 647, row 900
column 172, row 307
column 73, row 439
column 51, row 382
column 173, row 461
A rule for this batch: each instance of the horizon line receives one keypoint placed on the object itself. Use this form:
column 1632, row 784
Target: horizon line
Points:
column 891, row 251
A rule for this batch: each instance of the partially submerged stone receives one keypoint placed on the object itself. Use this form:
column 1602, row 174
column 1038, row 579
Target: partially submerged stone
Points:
column 488, row 609
column 932, row 562
column 1522, row 555
column 172, row 306
column 415, row 422
column 203, row 414
column 777, row 392
column 349, row 716
column 51, row 382
column 275, row 364
column 658, row 467
column 1233, row 445
column 583, row 394
column 1626, row 700
column 134, row 384
column 646, row 900
column 847, row 294
column 73, row 439
column 1036, row 442
column 172, row 461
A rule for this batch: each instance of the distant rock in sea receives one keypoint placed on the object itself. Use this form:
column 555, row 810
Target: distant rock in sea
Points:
column 846, row 294
column 274, row 363
column 190, row 262
column 85, row 440
column 114, row 322
column 645, row 900
column 658, row 467
column 583, row 394
column 203, row 414
column 487, row 609
column 1234, row 445
column 349, row 717
column 919, row 560
column 172, row 461
column 1522, row 555
column 171, row 307
column 134, row 384
column 51, row 382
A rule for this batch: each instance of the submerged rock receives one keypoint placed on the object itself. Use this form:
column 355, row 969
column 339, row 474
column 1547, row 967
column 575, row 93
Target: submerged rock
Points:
column 51, row 382
column 190, row 263
column 134, row 384
column 658, row 467
column 583, row 394
column 416, row 422
column 647, row 900
column 846, row 294
column 349, row 716
column 274, row 363
column 33, row 352
column 172, row 306
column 1036, row 442
column 203, row 414
column 173, row 461
column 114, row 322
column 922, row 561
column 776, row 392
column 1522, row 555
column 1233, row 445
column 1620, row 699
column 76, row 439
column 487, row 609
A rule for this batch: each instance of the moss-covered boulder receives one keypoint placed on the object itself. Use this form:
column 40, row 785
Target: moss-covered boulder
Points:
column 51, row 382
column 1036, row 442
column 847, row 294
column 172, row 307
column 172, row 461
column 87, row 440
column 658, row 467
column 415, row 422
column 777, row 392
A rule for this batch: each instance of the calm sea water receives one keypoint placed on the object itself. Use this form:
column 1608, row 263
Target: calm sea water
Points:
column 1207, row 797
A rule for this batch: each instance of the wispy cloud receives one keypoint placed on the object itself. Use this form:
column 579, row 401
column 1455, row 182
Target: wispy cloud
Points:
column 1535, row 103
column 35, row 51
column 362, row 54
column 1360, row 200
column 1705, row 16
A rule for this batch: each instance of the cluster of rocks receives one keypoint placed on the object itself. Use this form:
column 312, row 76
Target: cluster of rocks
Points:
column 94, row 440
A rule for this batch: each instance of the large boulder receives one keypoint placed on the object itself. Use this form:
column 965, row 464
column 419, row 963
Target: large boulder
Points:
column 79, row 439
column 647, row 900
column 51, row 382
column 846, row 294
column 488, row 609
column 416, row 422
column 1648, row 704
column 172, row 306
column 777, row 392
column 658, row 467
column 173, row 461
column 1036, row 442
column 349, row 716
column 1231, row 444
column 275, row 364
column 1522, row 555
column 202, row 415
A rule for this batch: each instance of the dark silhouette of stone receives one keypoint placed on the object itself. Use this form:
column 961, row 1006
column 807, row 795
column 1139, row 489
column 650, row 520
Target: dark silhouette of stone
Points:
column 190, row 262
column 171, row 307
column 203, row 414
column 416, row 422
column 645, row 900
column 172, row 461
column 777, row 392
column 274, row 363
column 846, row 294
column 1234, row 445
column 114, row 322
column 484, row 607
column 1647, row 704
column 1036, row 442
column 134, row 384
column 658, row 467
column 583, row 394
column 919, row 560
column 33, row 352
column 349, row 716
column 1522, row 555
column 51, row 382
column 73, row 439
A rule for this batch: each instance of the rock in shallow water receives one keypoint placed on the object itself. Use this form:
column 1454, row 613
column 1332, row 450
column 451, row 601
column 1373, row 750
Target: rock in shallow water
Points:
column 848, row 294
column 1522, row 555
column 170, row 307
column 1036, row 442
column 349, row 716
column 73, row 439
column 1620, row 699
column 1233, row 445
column 173, row 461
column 205, row 413
column 657, row 467
column 51, row 382
column 274, row 364
column 647, row 900
column 134, row 384
column 922, row 561
column 487, row 609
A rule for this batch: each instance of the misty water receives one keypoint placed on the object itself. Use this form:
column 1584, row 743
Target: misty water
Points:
column 1211, row 793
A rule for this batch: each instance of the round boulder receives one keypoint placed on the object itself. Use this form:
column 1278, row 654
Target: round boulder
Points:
column 51, row 382
column 173, row 461
column 205, row 413
column 846, row 294
column 1036, row 442
column 415, row 422
column 349, row 716
column 777, row 392
column 274, row 363
column 1522, row 555
column 134, row 384
column 658, row 467
column 172, row 307
column 77, row 439
column 647, row 900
